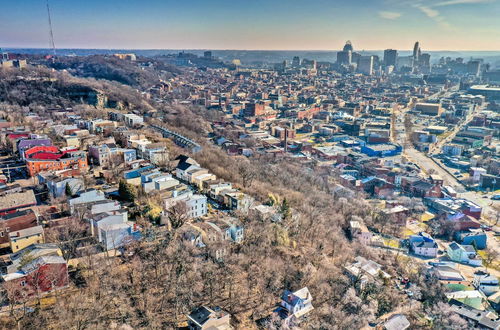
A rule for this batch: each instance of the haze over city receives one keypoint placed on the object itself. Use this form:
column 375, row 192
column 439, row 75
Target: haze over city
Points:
column 259, row 24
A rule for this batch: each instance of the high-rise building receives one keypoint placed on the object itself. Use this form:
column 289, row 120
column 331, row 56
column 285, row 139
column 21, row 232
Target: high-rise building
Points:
column 207, row 54
column 365, row 65
column 296, row 62
column 348, row 47
column 310, row 64
column 474, row 67
column 416, row 52
column 425, row 60
column 424, row 64
column 344, row 58
column 404, row 62
column 390, row 57
column 355, row 57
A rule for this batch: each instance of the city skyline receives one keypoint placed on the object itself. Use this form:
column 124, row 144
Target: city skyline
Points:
column 461, row 25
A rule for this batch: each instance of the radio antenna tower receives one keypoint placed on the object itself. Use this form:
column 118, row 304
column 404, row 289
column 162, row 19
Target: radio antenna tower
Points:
column 52, row 44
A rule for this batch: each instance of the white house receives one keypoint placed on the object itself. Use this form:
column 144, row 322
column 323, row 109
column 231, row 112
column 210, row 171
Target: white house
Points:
column 297, row 303
column 423, row 245
column 360, row 232
column 196, row 205
column 465, row 254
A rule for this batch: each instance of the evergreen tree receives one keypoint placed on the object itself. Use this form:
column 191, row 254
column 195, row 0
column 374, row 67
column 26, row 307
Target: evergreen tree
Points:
column 126, row 191
column 68, row 190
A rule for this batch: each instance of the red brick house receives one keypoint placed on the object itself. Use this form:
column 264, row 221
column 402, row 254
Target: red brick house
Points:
column 42, row 275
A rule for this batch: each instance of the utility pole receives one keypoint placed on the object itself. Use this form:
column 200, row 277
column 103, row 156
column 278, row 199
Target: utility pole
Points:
column 52, row 44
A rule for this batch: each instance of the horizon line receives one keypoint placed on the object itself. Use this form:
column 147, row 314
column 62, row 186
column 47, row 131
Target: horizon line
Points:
column 246, row 49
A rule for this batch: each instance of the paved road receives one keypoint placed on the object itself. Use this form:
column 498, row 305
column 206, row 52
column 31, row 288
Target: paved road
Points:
column 428, row 166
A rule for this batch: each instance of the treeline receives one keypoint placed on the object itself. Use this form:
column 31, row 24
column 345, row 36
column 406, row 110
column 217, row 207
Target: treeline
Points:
column 37, row 86
column 113, row 69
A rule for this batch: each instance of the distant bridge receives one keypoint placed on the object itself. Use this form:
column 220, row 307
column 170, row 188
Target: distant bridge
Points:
column 179, row 139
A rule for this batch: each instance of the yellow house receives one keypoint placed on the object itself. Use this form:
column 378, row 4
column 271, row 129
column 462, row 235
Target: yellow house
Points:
column 426, row 216
column 72, row 141
column 21, row 239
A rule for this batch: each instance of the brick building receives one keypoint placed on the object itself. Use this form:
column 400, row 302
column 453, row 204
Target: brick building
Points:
column 51, row 158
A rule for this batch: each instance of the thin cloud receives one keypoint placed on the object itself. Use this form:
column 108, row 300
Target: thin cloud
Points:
column 435, row 15
column 389, row 15
column 460, row 2
column 429, row 12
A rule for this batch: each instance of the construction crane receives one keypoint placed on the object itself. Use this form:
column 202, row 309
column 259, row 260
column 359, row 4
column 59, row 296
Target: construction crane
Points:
column 52, row 44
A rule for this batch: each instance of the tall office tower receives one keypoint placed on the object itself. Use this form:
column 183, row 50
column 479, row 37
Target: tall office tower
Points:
column 355, row 57
column 4, row 55
column 348, row 47
column 344, row 58
column 425, row 60
column 404, row 62
column 390, row 57
column 296, row 62
column 207, row 54
column 474, row 67
column 416, row 52
column 365, row 65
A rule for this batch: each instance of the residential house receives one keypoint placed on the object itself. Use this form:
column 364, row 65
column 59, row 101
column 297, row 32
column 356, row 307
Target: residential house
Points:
column 295, row 305
column 470, row 298
column 195, row 204
column 360, row 232
column 23, row 238
column 397, row 322
column 423, row 245
column 465, row 254
column 480, row 319
column 474, row 237
column 14, row 222
column 33, row 251
column 366, row 271
column 12, row 202
column 106, row 219
column 206, row 318
column 42, row 275
column 114, row 236
column 108, row 154
column 229, row 228
column 158, row 181
column 236, row 200
column 447, row 272
column 183, row 169
column 84, row 197
column 57, row 182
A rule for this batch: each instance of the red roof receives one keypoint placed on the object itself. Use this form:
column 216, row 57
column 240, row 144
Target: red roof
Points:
column 14, row 136
column 46, row 153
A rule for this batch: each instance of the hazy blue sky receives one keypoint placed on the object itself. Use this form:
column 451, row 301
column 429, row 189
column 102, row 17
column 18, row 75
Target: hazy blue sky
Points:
column 253, row 24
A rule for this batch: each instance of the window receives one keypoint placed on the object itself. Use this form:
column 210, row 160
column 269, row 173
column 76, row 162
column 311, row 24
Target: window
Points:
column 23, row 283
column 1, row 233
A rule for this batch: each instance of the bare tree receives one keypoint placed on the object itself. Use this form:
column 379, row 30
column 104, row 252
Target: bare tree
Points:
column 177, row 215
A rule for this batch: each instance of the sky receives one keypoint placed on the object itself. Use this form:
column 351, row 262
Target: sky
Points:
column 253, row 24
